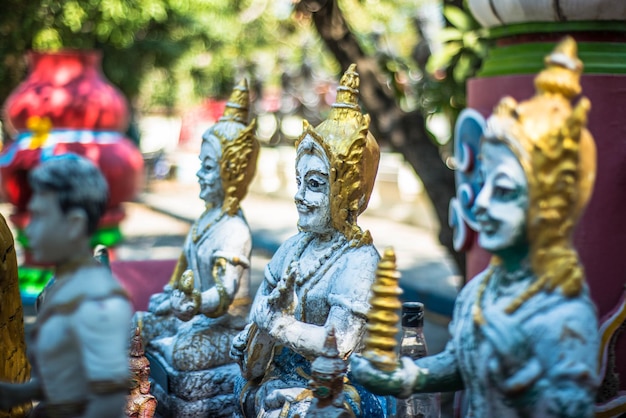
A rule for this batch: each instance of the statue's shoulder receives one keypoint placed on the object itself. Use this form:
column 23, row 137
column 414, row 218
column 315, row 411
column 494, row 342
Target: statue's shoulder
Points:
column 577, row 312
column 236, row 223
column 469, row 290
column 364, row 256
column 92, row 282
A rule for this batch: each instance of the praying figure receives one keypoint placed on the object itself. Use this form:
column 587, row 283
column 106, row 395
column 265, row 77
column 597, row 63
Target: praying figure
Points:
column 524, row 331
column 320, row 278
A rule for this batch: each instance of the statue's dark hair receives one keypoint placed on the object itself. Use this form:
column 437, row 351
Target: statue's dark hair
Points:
column 77, row 183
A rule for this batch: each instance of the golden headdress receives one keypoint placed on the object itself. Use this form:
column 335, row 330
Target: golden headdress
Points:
column 353, row 154
column 548, row 135
column 240, row 148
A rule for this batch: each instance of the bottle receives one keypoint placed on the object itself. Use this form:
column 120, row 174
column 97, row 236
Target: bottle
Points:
column 413, row 345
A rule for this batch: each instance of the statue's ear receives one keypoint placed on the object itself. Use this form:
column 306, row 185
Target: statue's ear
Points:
column 468, row 131
column 76, row 223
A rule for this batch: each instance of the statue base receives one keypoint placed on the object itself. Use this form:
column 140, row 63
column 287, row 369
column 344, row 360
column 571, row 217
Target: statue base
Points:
column 193, row 394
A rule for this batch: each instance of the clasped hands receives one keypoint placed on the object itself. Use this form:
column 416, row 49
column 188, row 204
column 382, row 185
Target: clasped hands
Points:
column 180, row 299
column 275, row 311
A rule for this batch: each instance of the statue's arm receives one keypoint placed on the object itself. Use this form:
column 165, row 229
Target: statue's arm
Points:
column 438, row 373
column 308, row 339
column 227, row 270
column 14, row 394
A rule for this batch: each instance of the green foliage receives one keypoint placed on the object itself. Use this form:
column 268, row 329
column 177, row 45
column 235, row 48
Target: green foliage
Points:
column 169, row 54
column 161, row 53
column 465, row 45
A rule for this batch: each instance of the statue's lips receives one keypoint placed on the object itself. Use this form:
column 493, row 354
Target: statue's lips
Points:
column 488, row 228
column 304, row 209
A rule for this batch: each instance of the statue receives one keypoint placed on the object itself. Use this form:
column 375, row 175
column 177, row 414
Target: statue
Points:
column 327, row 374
column 189, row 326
column 14, row 366
column 524, row 331
column 321, row 277
column 79, row 342
column 140, row 403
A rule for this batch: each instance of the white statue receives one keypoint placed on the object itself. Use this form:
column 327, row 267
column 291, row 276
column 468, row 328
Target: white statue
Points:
column 524, row 331
column 79, row 347
column 320, row 278
column 213, row 272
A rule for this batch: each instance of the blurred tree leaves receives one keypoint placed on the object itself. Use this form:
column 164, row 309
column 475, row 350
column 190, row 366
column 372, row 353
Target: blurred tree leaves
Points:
column 161, row 53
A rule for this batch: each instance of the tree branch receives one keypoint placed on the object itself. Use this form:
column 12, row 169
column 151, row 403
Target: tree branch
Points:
column 404, row 132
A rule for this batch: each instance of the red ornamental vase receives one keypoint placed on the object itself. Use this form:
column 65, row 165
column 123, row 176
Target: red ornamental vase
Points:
column 83, row 113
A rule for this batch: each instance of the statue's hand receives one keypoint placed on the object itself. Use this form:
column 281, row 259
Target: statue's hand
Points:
column 184, row 306
column 398, row 383
column 159, row 304
column 239, row 344
column 510, row 344
column 283, row 296
column 277, row 398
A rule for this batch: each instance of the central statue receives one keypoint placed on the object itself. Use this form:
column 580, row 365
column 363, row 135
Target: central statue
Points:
column 319, row 279
column 189, row 326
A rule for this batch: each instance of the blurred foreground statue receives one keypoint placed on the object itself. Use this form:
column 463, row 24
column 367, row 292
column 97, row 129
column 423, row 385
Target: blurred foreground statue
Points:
column 524, row 332
column 188, row 328
column 79, row 342
column 14, row 366
column 320, row 278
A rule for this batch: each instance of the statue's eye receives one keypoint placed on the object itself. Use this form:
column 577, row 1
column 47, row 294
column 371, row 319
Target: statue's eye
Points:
column 504, row 193
column 314, row 183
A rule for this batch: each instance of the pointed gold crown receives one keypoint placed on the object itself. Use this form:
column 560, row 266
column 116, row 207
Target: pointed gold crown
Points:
column 353, row 154
column 548, row 135
column 383, row 318
column 240, row 148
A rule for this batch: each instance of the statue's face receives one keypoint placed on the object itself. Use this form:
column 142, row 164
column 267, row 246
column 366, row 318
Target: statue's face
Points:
column 47, row 229
column 211, row 190
column 502, row 203
column 313, row 196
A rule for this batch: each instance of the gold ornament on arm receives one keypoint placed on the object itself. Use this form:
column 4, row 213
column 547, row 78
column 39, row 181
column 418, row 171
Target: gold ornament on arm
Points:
column 383, row 318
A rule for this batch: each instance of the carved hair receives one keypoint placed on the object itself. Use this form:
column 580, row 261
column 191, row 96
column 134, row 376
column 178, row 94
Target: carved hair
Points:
column 77, row 184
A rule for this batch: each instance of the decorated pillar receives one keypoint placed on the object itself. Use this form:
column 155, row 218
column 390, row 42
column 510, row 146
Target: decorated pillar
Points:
column 66, row 105
column 524, row 32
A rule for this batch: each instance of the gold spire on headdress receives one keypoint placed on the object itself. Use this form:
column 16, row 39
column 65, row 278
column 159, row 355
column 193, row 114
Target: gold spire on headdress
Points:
column 548, row 135
column 240, row 148
column 353, row 154
column 383, row 318
column 238, row 103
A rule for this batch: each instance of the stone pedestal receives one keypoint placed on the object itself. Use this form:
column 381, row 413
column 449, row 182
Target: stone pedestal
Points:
column 193, row 394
